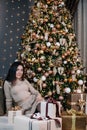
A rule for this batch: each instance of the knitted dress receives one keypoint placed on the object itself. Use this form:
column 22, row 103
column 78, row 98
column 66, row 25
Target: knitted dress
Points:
column 23, row 94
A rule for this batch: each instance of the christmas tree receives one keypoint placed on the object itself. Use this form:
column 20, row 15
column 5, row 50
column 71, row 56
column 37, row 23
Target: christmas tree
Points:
column 50, row 52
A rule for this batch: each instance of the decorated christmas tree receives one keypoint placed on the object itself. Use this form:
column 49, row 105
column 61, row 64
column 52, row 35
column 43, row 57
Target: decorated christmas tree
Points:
column 50, row 52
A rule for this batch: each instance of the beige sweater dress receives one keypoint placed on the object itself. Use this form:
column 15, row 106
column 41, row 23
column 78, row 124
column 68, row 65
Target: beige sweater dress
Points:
column 23, row 94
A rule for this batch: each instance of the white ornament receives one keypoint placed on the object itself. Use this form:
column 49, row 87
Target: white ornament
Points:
column 35, row 79
column 80, row 82
column 65, row 62
column 54, row 70
column 60, row 70
column 38, row 4
column 48, row 44
column 78, row 71
column 22, row 55
column 78, row 91
column 46, row 36
column 58, row 89
column 43, row 78
column 51, row 25
column 58, row 44
column 33, row 59
column 42, row 57
column 67, row 90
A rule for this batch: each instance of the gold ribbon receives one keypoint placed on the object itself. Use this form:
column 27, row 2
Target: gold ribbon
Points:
column 72, row 103
column 73, row 122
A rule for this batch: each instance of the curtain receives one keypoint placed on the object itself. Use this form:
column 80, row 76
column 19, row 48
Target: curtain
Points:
column 80, row 25
column 72, row 5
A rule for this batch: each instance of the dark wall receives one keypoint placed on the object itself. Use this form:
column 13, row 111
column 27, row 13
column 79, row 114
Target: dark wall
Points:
column 14, row 15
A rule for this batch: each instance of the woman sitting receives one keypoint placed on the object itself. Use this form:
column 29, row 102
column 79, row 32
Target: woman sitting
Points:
column 20, row 91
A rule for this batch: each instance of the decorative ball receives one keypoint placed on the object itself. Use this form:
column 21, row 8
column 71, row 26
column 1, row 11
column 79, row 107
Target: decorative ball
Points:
column 58, row 44
column 49, row 93
column 44, row 85
column 65, row 62
column 78, row 90
column 46, row 74
column 78, row 71
column 50, row 39
column 43, row 47
column 35, row 79
column 33, row 74
column 43, row 78
column 61, row 98
column 80, row 82
column 58, row 26
column 67, row 90
column 39, row 69
column 50, row 72
column 48, row 44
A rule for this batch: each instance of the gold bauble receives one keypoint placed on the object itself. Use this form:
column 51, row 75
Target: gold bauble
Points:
column 50, row 72
column 46, row 74
column 70, row 79
column 41, row 37
column 39, row 69
column 69, row 26
column 41, row 51
column 36, row 61
column 58, row 26
column 46, row 20
column 37, row 45
column 63, row 56
column 33, row 35
column 35, row 51
column 49, row 93
column 43, row 47
column 51, row 65
column 29, row 60
column 44, row 85
column 33, row 74
column 50, row 39
column 65, row 80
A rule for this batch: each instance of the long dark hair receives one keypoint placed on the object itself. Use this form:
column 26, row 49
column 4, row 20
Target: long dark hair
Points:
column 11, row 76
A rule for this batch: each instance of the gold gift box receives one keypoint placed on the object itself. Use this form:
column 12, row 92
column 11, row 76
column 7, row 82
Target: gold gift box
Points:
column 73, row 100
column 73, row 122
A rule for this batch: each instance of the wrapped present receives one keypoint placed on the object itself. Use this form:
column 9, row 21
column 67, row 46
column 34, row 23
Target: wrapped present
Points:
column 50, row 108
column 73, row 121
column 74, row 101
column 12, row 113
column 26, row 123
column 46, row 125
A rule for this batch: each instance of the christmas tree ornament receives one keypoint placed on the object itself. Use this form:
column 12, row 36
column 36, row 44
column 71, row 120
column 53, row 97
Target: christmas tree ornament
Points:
column 67, row 90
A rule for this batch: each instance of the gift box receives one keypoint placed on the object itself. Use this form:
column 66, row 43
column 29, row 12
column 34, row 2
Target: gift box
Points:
column 73, row 122
column 50, row 109
column 26, row 123
column 12, row 114
column 73, row 101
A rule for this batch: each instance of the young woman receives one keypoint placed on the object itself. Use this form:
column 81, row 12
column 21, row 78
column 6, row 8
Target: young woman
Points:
column 20, row 91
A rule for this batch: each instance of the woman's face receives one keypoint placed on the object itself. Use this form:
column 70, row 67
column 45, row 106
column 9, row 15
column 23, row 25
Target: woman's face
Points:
column 19, row 72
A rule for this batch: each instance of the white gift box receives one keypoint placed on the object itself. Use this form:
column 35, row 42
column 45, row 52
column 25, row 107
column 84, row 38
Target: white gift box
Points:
column 12, row 114
column 51, row 109
column 25, row 123
column 21, row 123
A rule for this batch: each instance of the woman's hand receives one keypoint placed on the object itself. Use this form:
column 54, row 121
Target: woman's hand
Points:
column 39, row 98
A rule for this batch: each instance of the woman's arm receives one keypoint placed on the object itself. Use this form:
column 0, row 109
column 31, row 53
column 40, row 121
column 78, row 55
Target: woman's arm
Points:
column 34, row 91
column 8, row 97
column 31, row 88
